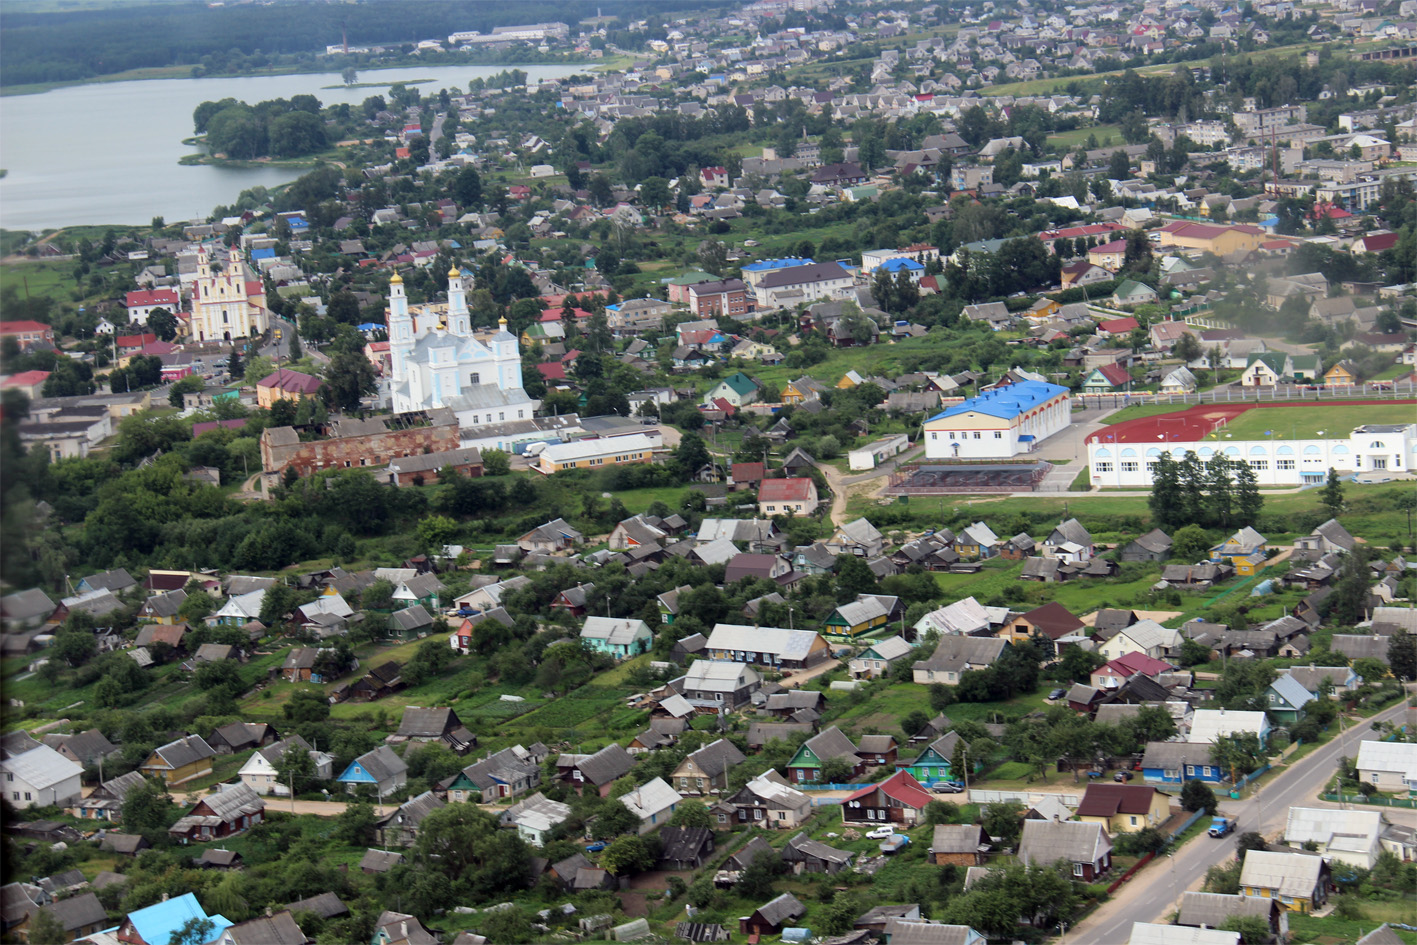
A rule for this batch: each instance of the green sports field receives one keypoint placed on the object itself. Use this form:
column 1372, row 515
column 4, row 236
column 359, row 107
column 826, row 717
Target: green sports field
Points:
column 1306, row 422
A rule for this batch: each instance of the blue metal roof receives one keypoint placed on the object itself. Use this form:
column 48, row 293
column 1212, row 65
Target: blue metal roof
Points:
column 266, row 253
column 768, row 264
column 895, row 265
column 1005, row 402
column 158, row 921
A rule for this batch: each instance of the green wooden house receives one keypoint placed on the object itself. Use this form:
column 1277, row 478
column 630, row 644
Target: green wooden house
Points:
column 933, row 763
column 1286, row 700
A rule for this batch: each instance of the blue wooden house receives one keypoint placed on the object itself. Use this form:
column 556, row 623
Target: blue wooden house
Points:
column 380, row 769
column 1179, row 762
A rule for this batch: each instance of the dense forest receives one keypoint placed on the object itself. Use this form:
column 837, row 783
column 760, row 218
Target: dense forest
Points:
column 84, row 44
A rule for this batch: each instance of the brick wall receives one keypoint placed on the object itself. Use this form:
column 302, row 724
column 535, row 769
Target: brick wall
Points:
column 357, row 451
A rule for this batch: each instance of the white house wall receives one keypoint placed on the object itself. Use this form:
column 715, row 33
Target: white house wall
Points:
column 1275, row 462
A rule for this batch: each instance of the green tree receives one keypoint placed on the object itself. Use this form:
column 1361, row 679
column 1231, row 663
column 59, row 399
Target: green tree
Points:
column 1253, row 930
column 836, row 771
column 760, row 878
column 1237, row 754
column 1136, row 258
column 1331, row 495
column 691, row 813
column 508, row 925
column 349, row 378
column 378, row 596
column 496, row 463
column 691, row 454
column 295, row 769
column 1165, row 499
column 192, row 932
column 614, row 820
column 46, row 929
column 1187, row 348
column 435, row 531
column 356, row 825
column 146, row 809
column 307, row 706
column 1402, row 655
column 163, row 323
column 1248, row 501
column 278, row 601
column 1004, row 822
column 1190, row 544
column 628, row 855
column 1197, row 795
column 349, row 75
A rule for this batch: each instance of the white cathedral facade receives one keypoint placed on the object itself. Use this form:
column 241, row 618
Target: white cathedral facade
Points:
column 436, row 361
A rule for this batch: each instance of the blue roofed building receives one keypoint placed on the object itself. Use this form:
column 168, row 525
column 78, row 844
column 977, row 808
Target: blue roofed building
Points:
column 999, row 423
column 156, row 924
column 753, row 272
column 910, row 267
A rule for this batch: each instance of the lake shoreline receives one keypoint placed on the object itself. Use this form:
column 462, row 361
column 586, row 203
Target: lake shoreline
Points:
column 160, row 73
column 56, row 178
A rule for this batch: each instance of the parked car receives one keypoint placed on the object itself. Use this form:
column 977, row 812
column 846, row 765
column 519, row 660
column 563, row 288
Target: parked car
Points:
column 881, row 832
column 596, row 847
column 1057, row 694
column 1123, row 776
column 947, row 787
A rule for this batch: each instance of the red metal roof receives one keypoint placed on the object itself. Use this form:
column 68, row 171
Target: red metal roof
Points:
column 27, row 379
column 1129, row 664
column 23, row 327
column 1114, row 373
column 786, row 490
column 900, row 786
column 135, row 341
column 151, row 297
column 1117, row 326
column 292, row 381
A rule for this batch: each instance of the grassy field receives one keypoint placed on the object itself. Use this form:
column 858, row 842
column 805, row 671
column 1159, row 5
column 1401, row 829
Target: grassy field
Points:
column 1307, row 421
column 1071, row 139
column 1139, row 411
column 1372, row 511
column 1042, row 86
column 50, row 279
column 1331, row 929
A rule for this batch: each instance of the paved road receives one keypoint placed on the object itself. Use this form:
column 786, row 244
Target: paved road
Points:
column 1156, row 891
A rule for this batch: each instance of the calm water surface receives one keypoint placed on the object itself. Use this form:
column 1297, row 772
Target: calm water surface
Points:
column 108, row 153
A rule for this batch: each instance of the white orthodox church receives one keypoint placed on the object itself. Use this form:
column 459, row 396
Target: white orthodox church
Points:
column 228, row 305
column 436, row 361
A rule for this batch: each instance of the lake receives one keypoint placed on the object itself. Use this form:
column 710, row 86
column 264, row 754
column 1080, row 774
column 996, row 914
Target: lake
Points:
column 108, row 152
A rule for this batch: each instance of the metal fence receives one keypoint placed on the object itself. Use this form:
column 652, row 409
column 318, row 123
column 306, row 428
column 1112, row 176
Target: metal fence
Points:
column 977, row 796
column 1373, row 801
column 1256, row 395
column 1186, row 824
